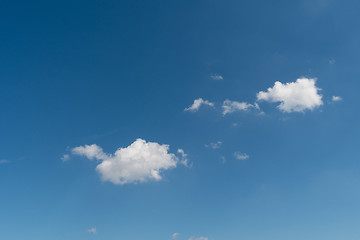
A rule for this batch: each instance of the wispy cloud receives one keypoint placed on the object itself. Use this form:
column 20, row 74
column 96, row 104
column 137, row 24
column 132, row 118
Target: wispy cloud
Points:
column 65, row 157
column 216, row 77
column 92, row 230
column 198, row 238
column 214, row 145
column 3, row 161
column 175, row 236
column 241, row 156
column 233, row 106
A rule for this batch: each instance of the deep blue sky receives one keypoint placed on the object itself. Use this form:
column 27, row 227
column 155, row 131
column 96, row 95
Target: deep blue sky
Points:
column 110, row 72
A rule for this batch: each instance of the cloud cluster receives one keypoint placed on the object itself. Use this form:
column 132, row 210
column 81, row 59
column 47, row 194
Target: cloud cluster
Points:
column 197, row 104
column 298, row 96
column 140, row 162
column 294, row 96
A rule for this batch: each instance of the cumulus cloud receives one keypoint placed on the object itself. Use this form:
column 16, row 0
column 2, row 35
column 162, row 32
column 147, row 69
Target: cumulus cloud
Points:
column 92, row 230
column 216, row 77
column 197, row 104
column 232, row 106
column 294, row 96
column 336, row 98
column 140, row 162
column 241, row 156
column 214, row 145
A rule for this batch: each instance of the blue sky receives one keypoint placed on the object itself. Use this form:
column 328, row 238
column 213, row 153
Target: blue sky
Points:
column 186, row 120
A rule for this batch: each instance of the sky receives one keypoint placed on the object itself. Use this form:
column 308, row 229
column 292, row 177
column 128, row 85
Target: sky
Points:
column 179, row 120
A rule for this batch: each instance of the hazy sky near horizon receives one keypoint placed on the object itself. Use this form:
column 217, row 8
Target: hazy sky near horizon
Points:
column 179, row 120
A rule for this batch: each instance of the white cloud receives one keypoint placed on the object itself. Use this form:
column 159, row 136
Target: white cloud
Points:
column 332, row 61
column 197, row 104
column 294, row 96
column 92, row 230
column 3, row 161
column 65, row 157
column 174, row 236
column 216, row 77
column 214, row 145
column 232, row 106
column 90, row 151
column 198, row 238
column 336, row 98
column 241, row 156
column 140, row 162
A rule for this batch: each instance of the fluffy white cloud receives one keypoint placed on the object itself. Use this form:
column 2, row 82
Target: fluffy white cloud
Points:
column 336, row 98
column 92, row 230
column 140, row 162
column 241, row 156
column 197, row 104
column 214, row 145
column 216, row 77
column 232, row 106
column 294, row 96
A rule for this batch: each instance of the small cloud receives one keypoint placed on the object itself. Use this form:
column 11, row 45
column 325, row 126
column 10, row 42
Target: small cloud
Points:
column 65, row 157
column 122, row 167
column 197, row 104
column 336, row 98
column 235, row 124
column 198, row 238
column 293, row 96
column 214, row 145
column 184, row 160
column 332, row 61
column 3, row 161
column 223, row 159
column 232, row 106
column 92, row 230
column 216, row 77
column 175, row 236
column 241, row 156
